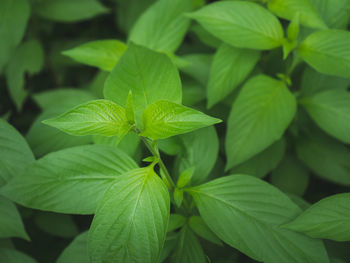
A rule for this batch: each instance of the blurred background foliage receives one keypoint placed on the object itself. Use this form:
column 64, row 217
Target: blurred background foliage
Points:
column 38, row 82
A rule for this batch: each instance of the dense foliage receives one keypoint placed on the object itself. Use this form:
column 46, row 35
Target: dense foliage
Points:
column 189, row 131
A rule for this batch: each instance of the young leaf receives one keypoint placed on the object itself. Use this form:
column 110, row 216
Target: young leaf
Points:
column 262, row 163
column 11, row 224
column 10, row 255
column 241, row 24
column 294, row 28
column 69, row 11
column 14, row 150
column 162, row 26
column 76, row 251
column 230, row 67
column 326, row 157
column 103, row 54
column 330, row 109
column 328, row 52
column 201, row 229
column 246, row 213
column 188, row 249
column 164, row 119
column 259, row 116
column 290, row 176
column 185, row 177
column 69, row 181
column 98, row 117
column 13, row 14
column 178, row 196
column 328, row 218
column 131, row 220
column 201, row 149
column 28, row 58
column 150, row 76
column 287, row 9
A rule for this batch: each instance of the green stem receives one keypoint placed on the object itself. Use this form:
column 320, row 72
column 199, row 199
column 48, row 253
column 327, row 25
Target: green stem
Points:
column 155, row 152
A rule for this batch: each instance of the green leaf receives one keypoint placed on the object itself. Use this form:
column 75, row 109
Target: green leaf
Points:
column 313, row 82
column 76, row 251
column 97, row 83
column 10, row 255
column 11, row 224
column 178, row 196
column 162, row 26
column 290, row 176
column 328, row 52
column 185, row 177
column 129, row 109
column 13, row 14
column 262, row 163
column 326, row 157
column 241, row 24
column 164, row 119
column 64, row 98
column 176, row 221
column 44, row 139
column 28, row 58
column 129, row 144
column 294, row 28
column 128, row 12
column 197, row 66
column 150, row 76
column 330, row 109
column 328, row 218
column 299, row 201
column 201, row 149
column 201, row 229
column 170, row 243
column 131, row 220
column 63, row 181
column 246, row 213
column 287, row 9
column 98, row 117
column 14, row 150
column 261, row 113
column 205, row 36
column 334, row 12
column 103, row 54
column 69, row 11
column 171, row 145
column 58, row 225
column 188, row 249
column 229, row 69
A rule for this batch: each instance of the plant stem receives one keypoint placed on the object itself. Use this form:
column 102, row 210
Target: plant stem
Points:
column 155, row 152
